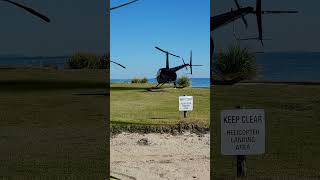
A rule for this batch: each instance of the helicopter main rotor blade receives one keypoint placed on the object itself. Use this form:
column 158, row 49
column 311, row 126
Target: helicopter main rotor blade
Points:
column 254, row 38
column 118, row 64
column 160, row 49
column 167, row 52
column 259, row 20
column 280, row 12
column 30, row 10
column 125, row 4
column 184, row 63
column 242, row 16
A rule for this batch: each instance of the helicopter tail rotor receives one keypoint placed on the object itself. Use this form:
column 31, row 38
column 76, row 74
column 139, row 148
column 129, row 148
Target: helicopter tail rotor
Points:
column 184, row 63
column 191, row 63
column 259, row 12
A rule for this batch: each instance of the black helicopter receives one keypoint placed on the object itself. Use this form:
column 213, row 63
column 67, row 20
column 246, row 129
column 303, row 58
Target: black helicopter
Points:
column 223, row 19
column 169, row 75
column 28, row 9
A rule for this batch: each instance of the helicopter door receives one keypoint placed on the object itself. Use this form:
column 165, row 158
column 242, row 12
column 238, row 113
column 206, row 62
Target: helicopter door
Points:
column 159, row 76
column 159, row 72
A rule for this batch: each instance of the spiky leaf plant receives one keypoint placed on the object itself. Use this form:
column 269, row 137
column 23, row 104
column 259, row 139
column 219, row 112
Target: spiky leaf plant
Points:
column 235, row 65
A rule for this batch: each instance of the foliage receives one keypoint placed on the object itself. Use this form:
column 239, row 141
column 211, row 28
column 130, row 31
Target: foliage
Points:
column 138, row 80
column 135, row 80
column 155, row 108
column 184, row 81
column 235, row 65
column 86, row 61
column 144, row 80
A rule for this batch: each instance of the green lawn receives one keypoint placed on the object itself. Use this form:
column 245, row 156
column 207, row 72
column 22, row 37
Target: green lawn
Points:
column 52, row 122
column 51, row 127
column 134, row 104
column 293, row 130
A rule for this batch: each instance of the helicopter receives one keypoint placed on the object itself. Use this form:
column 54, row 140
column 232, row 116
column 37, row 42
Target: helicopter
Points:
column 226, row 18
column 169, row 75
column 28, row 9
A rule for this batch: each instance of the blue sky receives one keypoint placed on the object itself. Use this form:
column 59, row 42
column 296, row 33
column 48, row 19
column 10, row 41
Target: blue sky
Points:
column 76, row 25
column 173, row 25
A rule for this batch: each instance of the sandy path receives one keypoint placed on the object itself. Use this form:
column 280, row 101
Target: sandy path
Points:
column 165, row 157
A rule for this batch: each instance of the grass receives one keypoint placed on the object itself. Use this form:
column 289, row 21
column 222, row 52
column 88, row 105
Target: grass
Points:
column 47, row 129
column 293, row 130
column 134, row 104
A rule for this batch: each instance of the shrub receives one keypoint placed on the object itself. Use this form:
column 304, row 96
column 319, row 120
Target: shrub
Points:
column 144, row 80
column 86, row 61
column 184, row 81
column 235, row 65
column 135, row 80
column 138, row 80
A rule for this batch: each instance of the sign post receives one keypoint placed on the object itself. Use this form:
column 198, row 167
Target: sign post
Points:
column 241, row 166
column 185, row 104
column 242, row 133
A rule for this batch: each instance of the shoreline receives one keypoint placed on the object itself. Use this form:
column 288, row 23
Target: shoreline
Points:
column 175, row 129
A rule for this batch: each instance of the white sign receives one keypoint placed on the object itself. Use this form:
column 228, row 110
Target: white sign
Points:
column 185, row 103
column 242, row 132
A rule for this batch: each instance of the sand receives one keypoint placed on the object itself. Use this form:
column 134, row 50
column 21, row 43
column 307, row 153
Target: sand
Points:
column 160, row 156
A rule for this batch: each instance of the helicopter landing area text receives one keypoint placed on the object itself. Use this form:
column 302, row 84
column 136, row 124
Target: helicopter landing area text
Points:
column 185, row 103
column 242, row 132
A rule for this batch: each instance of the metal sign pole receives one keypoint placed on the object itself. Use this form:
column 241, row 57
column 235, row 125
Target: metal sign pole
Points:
column 184, row 112
column 241, row 162
column 241, row 166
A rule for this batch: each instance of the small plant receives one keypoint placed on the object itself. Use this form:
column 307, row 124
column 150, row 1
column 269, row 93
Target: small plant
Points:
column 184, row 81
column 144, row 80
column 86, row 61
column 135, row 80
column 235, row 65
column 138, row 80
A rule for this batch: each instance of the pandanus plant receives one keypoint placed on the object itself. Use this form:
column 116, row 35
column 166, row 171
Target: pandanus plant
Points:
column 234, row 66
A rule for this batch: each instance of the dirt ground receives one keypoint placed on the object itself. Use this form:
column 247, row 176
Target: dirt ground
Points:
column 160, row 156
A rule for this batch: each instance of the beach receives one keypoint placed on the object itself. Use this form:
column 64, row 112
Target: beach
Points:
column 160, row 156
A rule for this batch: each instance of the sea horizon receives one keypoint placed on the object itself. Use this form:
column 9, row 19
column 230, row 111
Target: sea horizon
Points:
column 272, row 66
column 196, row 82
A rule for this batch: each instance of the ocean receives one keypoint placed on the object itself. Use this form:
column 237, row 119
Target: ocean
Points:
column 196, row 82
column 58, row 61
column 289, row 66
column 283, row 66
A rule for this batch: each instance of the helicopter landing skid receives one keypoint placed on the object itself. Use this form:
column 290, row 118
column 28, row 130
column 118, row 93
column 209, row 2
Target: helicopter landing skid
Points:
column 160, row 85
